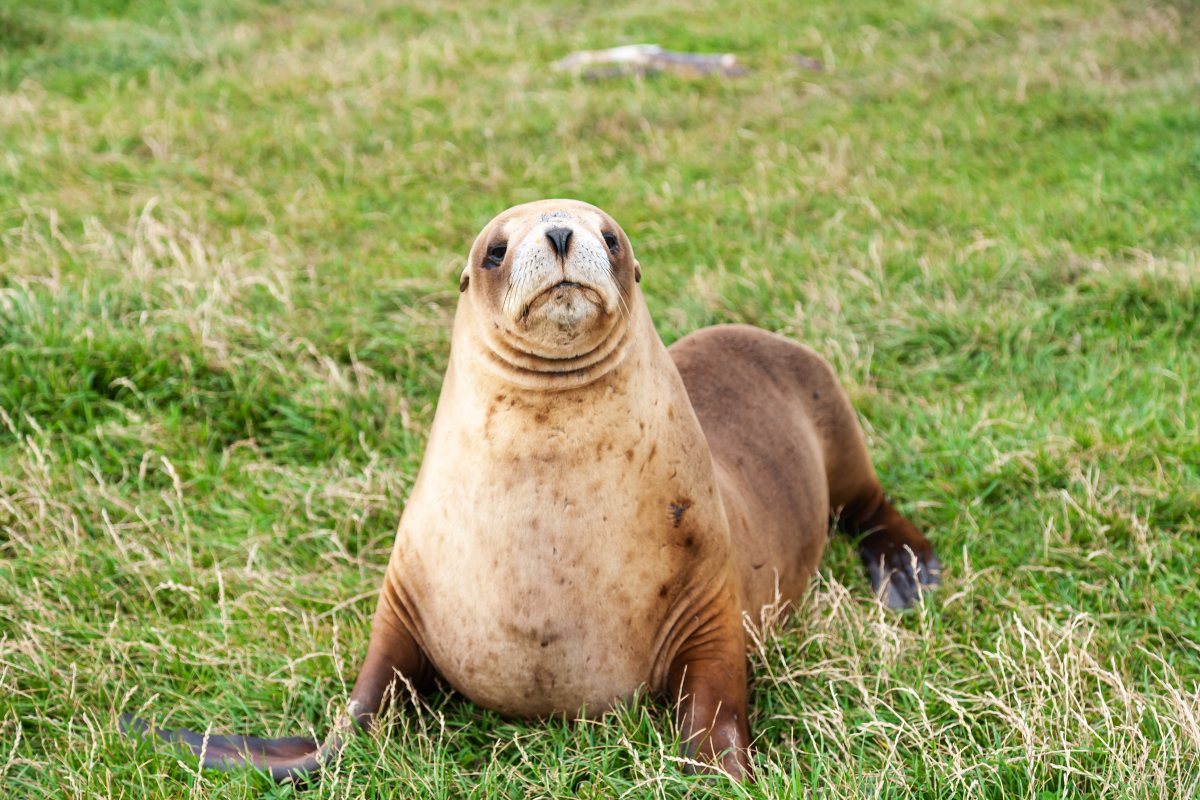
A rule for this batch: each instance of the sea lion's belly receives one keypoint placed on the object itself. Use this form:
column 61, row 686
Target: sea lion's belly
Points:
column 550, row 586
column 549, row 608
column 543, row 633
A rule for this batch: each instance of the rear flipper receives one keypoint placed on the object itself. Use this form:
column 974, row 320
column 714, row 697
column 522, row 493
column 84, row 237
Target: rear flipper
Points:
column 394, row 660
column 899, row 559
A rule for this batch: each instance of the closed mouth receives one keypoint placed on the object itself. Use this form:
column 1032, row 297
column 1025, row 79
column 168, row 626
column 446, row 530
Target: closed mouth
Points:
column 554, row 293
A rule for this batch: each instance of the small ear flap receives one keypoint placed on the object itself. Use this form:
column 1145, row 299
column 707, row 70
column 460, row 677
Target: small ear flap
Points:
column 637, row 272
column 465, row 279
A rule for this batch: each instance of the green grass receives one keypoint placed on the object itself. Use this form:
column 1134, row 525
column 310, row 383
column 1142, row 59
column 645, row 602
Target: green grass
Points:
column 230, row 235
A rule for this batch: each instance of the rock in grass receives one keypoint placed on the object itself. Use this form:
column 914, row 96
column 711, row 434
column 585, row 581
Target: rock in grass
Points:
column 649, row 58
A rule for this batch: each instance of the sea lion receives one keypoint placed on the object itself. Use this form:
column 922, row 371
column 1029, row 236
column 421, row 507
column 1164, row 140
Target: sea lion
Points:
column 595, row 514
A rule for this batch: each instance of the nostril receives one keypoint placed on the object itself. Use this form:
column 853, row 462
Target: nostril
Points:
column 560, row 240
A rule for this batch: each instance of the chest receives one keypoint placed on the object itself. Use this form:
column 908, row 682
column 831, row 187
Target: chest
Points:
column 547, row 561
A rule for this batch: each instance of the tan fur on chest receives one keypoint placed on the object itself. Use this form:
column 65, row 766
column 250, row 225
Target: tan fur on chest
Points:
column 553, row 537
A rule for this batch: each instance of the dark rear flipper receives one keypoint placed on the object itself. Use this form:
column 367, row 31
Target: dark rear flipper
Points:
column 899, row 559
column 893, row 579
column 293, row 759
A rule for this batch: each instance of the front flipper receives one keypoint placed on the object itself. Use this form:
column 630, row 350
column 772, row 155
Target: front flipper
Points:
column 285, row 759
column 392, row 655
column 708, row 678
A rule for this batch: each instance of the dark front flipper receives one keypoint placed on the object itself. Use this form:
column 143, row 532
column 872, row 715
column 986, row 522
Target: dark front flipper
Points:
column 899, row 559
column 286, row 759
column 708, row 678
column 394, row 661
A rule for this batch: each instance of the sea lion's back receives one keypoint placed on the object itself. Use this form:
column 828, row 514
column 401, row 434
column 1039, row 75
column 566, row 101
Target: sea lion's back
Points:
column 777, row 421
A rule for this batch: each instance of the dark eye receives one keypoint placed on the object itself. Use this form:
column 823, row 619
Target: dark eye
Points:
column 611, row 242
column 495, row 255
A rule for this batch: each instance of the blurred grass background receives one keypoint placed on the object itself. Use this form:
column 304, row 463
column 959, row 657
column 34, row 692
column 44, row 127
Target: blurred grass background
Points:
column 230, row 234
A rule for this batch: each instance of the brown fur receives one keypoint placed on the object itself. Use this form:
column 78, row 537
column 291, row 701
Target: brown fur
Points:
column 595, row 513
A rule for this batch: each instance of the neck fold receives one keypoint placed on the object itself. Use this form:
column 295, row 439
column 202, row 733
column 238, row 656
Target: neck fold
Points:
column 490, row 351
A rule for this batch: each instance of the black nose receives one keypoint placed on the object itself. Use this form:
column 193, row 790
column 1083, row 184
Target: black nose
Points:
column 560, row 240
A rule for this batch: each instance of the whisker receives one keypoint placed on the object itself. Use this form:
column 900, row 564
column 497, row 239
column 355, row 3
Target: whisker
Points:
column 622, row 303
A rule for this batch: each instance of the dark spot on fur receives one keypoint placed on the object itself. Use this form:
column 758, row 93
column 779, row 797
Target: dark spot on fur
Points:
column 670, row 413
column 543, row 679
column 689, row 542
column 677, row 509
column 759, row 566
column 629, row 455
column 663, row 591
column 816, row 395
column 541, row 417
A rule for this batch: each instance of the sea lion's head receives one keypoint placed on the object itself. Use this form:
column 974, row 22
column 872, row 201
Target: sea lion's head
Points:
column 550, row 282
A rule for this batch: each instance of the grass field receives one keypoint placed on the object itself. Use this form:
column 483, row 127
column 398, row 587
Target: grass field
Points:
column 230, row 237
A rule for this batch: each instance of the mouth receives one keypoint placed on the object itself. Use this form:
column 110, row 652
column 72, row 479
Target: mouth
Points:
column 566, row 302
